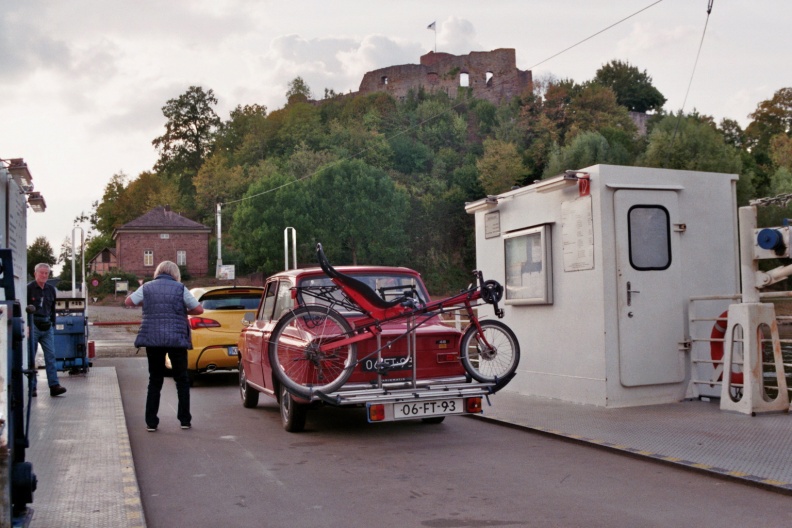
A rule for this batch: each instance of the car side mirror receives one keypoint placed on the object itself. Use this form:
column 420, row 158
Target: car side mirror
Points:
column 248, row 318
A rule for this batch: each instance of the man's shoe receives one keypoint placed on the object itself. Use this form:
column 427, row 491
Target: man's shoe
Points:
column 151, row 429
column 57, row 390
column 185, row 426
column 33, row 393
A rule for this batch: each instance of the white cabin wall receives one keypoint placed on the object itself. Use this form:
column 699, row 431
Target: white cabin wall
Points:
column 562, row 344
column 570, row 349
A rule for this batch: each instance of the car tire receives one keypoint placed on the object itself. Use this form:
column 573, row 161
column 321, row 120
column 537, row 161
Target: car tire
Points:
column 293, row 414
column 249, row 395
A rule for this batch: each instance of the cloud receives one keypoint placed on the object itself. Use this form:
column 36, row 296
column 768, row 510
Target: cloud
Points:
column 457, row 36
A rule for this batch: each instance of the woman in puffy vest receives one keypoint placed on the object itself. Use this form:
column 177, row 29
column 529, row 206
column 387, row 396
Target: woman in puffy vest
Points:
column 166, row 330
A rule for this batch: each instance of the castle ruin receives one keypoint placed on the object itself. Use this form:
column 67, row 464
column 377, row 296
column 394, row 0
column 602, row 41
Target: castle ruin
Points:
column 490, row 75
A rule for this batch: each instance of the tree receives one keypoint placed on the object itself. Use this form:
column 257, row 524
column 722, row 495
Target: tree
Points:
column 113, row 210
column 500, row 167
column 633, row 87
column 298, row 90
column 687, row 143
column 772, row 117
column 589, row 148
column 189, row 132
column 337, row 207
column 39, row 251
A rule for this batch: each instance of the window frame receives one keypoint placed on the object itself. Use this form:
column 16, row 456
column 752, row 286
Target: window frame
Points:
column 632, row 250
column 539, row 290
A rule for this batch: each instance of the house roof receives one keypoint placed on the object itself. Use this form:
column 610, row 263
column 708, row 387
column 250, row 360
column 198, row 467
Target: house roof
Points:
column 99, row 253
column 162, row 219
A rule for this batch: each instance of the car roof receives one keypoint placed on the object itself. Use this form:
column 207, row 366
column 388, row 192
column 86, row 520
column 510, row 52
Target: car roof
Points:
column 203, row 290
column 305, row 272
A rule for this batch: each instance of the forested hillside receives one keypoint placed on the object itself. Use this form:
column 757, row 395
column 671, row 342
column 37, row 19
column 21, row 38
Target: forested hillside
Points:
column 384, row 181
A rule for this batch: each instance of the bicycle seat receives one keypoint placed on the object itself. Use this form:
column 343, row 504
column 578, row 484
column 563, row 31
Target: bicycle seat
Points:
column 359, row 292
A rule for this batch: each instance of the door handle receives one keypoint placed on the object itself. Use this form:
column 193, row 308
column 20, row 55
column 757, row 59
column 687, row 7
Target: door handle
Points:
column 629, row 293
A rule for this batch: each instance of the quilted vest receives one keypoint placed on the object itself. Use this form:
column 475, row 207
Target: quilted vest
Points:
column 164, row 315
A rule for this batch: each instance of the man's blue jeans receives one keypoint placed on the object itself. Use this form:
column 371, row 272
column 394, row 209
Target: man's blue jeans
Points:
column 45, row 338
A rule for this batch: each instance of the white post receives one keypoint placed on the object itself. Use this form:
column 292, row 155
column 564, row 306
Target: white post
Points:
column 286, row 246
column 748, row 264
column 74, row 268
column 219, row 221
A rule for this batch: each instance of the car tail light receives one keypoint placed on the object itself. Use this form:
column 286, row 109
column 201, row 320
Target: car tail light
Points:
column 203, row 322
column 473, row 405
column 376, row 412
column 447, row 357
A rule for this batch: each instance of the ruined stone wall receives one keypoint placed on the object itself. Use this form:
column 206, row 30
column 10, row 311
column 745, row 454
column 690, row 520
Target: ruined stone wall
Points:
column 490, row 75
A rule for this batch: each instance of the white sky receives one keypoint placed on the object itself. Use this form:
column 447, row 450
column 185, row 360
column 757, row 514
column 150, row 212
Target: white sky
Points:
column 82, row 83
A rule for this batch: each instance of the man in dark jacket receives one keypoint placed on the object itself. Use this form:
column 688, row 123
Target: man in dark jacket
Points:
column 42, row 295
column 166, row 330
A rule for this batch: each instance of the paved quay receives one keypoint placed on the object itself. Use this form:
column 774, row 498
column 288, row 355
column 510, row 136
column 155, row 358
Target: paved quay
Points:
column 81, row 454
column 692, row 434
column 80, row 451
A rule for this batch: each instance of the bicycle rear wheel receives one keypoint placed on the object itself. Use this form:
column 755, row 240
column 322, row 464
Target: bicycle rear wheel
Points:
column 492, row 358
column 295, row 356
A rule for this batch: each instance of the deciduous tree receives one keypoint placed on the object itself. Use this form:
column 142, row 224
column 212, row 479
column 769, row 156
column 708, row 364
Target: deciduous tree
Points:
column 39, row 251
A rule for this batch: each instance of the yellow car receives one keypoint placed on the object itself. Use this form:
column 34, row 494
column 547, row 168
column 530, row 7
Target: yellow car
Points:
column 216, row 331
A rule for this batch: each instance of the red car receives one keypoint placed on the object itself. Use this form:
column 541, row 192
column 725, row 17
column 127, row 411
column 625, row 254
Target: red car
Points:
column 391, row 386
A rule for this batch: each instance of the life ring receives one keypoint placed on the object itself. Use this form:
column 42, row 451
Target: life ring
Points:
column 716, row 348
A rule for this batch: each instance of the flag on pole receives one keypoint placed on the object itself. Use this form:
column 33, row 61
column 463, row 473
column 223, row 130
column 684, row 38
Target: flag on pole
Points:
column 431, row 26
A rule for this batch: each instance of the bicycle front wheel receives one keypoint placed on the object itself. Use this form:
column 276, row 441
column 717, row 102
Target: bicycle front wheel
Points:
column 491, row 355
column 299, row 354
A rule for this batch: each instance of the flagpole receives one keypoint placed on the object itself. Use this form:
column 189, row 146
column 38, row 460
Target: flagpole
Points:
column 433, row 27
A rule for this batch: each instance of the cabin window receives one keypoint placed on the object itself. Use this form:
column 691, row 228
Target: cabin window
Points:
column 650, row 237
column 528, row 266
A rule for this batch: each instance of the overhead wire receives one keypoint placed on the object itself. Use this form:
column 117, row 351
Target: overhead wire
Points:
column 693, row 72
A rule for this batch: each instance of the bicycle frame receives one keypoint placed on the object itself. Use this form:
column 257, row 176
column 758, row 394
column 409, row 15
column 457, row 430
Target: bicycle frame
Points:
column 369, row 327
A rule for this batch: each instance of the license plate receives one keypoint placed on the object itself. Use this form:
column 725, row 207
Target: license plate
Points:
column 370, row 364
column 418, row 409
column 233, row 351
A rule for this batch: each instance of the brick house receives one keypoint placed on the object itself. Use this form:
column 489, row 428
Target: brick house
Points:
column 162, row 234
column 103, row 261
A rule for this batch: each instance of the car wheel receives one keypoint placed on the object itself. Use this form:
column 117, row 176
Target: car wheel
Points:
column 433, row 420
column 292, row 413
column 250, row 396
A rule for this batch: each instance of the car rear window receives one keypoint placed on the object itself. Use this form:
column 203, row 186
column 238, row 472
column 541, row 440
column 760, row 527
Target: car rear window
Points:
column 388, row 286
column 246, row 301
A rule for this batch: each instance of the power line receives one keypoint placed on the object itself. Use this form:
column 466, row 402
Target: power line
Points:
column 692, row 73
column 595, row 34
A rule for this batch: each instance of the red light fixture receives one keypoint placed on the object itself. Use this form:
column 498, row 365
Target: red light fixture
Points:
column 376, row 412
column 473, row 405
column 203, row 322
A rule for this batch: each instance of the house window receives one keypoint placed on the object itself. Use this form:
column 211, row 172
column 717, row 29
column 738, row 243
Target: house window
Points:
column 148, row 257
column 164, row 236
column 181, row 258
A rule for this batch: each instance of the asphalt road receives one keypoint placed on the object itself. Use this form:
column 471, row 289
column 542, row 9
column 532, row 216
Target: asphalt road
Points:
column 238, row 467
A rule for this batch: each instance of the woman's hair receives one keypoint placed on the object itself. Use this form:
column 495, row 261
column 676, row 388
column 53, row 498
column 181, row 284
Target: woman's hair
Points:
column 168, row 267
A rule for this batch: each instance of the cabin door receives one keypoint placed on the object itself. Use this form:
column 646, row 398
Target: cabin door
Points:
column 650, row 291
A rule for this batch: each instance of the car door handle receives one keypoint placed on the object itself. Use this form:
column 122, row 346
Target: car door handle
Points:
column 630, row 291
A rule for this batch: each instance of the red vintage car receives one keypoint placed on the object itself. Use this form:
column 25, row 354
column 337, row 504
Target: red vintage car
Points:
column 392, row 383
